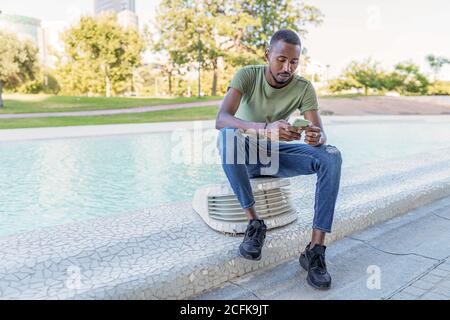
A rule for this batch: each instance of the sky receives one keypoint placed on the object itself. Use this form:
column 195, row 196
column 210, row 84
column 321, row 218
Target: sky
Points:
column 67, row 10
column 389, row 31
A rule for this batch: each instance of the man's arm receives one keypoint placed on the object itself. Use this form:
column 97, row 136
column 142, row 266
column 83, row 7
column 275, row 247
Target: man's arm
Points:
column 280, row 130
column 316, row 127
column 229, row 107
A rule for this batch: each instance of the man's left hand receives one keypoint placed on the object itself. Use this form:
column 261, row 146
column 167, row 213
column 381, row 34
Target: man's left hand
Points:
column 313, row 135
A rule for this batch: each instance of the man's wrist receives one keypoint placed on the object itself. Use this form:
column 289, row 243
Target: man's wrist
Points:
column 262, row 128
column 322, row 140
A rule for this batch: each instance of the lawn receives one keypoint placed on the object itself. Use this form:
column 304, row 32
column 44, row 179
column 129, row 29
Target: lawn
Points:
column 185, row 114
column 50, row 103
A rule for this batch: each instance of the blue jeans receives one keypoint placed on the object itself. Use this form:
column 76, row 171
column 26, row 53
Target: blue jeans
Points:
column 238, row 150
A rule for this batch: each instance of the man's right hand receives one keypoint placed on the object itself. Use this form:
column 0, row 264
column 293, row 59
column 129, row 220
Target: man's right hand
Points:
column 282, row 130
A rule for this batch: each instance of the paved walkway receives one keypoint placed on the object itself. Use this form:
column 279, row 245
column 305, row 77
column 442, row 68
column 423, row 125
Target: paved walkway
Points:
column 111, row 112
column 372, row 105
column 407, row 257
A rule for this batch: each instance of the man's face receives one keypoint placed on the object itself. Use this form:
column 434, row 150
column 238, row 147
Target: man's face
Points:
column 283, row 59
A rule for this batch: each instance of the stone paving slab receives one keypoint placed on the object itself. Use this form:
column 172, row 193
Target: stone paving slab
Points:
column 420, row 241
column 348, row 262
column 168, row 252
column 354, row 264
column 433, row 285
column 28, row 134
column 443, row 212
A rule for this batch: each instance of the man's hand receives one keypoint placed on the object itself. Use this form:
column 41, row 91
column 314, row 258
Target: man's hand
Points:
column 282, row 130
column 313, row 135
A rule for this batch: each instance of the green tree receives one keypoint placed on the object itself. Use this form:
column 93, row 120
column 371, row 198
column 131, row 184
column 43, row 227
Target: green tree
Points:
column 18, row 62
column 341, row 84
column 436, row 63
column 194, row 33
column 207, row 32
column 366, row 74
column 100, row 56
column 276, row 15
column 406, row 78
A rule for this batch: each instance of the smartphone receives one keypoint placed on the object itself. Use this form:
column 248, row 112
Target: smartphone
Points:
column 298, row 123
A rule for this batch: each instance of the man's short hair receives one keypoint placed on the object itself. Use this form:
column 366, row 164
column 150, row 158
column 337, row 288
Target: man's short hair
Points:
column 287, row 36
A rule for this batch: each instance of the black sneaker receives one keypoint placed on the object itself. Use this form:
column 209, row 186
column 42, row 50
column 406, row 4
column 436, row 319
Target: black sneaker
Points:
column 253, row 242
column 313, row 261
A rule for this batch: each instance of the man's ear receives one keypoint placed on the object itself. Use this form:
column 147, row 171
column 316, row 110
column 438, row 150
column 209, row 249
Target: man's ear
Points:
column 266, row 54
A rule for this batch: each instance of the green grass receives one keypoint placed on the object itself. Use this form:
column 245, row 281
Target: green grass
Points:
column 43, row 103
column 186, row 114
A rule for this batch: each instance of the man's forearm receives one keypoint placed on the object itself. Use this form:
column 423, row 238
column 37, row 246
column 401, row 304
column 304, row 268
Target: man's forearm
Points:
column 227, row 120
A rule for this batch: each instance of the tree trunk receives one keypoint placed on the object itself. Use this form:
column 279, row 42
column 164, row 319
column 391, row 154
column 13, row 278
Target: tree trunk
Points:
column 1, row 93
column 170, row 83
column 107, row 80
column 215, row 76
column 108, row 86
column 366, row 90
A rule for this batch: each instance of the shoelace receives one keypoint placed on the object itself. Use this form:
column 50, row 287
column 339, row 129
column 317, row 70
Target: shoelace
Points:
column 255, row 234
column 318, row 261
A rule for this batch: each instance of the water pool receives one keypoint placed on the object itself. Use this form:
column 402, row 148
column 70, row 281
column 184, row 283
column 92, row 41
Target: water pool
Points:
column 51, row 182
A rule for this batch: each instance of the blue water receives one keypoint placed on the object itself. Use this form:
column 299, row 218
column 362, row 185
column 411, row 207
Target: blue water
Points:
column 51, row 182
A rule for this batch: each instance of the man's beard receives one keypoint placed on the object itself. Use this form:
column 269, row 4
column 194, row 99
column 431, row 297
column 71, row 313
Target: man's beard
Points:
column 276, row 80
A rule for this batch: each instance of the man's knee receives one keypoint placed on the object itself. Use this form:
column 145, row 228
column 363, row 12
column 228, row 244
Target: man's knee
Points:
column 328, row 156
column 333, row 155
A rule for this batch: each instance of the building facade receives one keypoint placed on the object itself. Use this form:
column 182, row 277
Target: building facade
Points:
column 26, row 28
column 114, row 5
column 125, row 10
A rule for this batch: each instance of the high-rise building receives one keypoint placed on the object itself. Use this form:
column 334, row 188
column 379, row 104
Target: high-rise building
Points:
column 114, row 5
column 125, row 9
column 51, row 33
column 26, row 28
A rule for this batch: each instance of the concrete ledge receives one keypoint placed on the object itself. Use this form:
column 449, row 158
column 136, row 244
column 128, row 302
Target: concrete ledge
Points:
column 168, row 252
column 138, row 128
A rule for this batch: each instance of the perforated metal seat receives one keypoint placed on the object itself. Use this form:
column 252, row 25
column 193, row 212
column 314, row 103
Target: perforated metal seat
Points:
column 220, row 208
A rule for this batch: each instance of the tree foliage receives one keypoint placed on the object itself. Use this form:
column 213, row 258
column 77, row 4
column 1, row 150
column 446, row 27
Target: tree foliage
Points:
column 228, row 32
column 436, row 63
column 18, row 62
column 405, row 78
column 276, row 15
column 99, row 56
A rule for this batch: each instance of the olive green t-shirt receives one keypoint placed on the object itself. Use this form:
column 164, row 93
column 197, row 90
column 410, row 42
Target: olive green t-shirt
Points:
column 261, row 102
